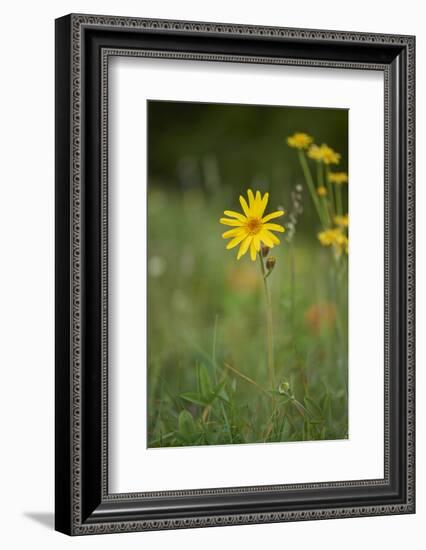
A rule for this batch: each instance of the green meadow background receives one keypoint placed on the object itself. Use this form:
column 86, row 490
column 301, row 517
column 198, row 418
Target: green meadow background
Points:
column 207, row 368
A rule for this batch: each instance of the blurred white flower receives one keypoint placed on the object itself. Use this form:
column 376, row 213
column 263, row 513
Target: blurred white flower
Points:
column 179, row 301
column 156, row 266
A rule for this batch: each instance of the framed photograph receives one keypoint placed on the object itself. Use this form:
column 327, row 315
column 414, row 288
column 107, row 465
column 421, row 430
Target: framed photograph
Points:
column 234, row 274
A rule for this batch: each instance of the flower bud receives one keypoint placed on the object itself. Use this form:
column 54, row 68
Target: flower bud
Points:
column 264, row 249
column 270, row 263
column 284, row 388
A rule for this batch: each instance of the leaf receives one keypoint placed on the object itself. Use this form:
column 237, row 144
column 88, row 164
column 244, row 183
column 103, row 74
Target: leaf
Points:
column 186, row 424
column 326, row 407
column 194, row 397
column 218, row 390
column 285, row 430
column 313, row 408
column 222, row 394
column 206, row 389
column 159, row 440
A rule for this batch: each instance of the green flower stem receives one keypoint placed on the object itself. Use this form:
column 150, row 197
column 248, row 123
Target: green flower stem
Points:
column 339, row 206
column 293, row 288
column 311, row 186
column 327, row 210
column 330, row 193
column 326, row 207
column 271, row 367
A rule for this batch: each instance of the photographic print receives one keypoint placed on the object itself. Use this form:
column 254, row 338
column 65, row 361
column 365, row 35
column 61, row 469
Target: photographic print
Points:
column 203, row 233
column 247, row 269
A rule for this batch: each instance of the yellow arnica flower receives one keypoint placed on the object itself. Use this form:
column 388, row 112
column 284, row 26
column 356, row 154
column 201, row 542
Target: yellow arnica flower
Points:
column 299, row 140
column 314, row 152
column 334, row 237
column 327, row 237
column 321, row 191
column 341, row 221
column 323, row 153
column 329, row 155
column 252, row 228
column 338, row 177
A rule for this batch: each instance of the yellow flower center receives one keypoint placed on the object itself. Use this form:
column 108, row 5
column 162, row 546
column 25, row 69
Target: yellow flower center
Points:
column 254, row 225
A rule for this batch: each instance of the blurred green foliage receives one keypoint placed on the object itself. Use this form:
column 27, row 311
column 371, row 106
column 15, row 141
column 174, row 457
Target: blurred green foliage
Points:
column 208, row 146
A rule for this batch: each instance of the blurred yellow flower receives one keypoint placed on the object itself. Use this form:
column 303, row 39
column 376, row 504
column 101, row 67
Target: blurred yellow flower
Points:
column 326, row 237
column 314, row 152
column 341, row 221
column 334, row 237
column 321, row 191
column 252, row 228
column 242, row 278
column 320, row 316
column 323, row 153
column 338, row 177
column 329, row 155
column 299, row 140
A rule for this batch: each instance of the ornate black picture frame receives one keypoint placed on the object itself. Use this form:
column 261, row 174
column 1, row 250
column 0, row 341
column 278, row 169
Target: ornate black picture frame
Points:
column 84, row 43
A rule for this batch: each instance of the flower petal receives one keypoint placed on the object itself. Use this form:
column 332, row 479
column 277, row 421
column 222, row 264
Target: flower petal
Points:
column 265, row 234
column 274, row 227
column 251, row 197
column 235, row 223
column 256, row 240
column 263, row 204
column 244, row 246
column 233, row 232
column 236, row 240
column 258, row 203
column 236, row 215
column 272, row 215
column 244, row 206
